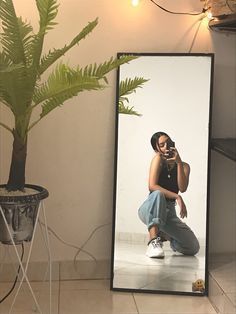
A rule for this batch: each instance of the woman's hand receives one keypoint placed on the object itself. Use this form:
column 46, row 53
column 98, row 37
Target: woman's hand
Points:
column 175, row 155
column 182, row 206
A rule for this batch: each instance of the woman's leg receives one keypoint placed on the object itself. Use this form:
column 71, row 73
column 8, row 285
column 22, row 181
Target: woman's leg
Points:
column 153, row 212
column 183, row 239
column 153, row 232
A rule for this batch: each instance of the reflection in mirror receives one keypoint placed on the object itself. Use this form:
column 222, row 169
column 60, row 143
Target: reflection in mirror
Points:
column 161, row 184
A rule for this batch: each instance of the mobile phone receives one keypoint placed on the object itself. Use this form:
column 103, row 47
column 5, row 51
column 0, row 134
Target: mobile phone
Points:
column 170, row 144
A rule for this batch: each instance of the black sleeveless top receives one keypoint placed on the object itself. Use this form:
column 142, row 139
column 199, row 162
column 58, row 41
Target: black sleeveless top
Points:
column 168, row 178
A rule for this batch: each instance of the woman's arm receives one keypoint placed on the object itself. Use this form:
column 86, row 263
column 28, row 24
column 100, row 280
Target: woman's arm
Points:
column 155, row 169
column 183, row 171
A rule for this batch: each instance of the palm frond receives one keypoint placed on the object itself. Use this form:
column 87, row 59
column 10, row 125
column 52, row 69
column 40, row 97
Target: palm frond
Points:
column 102, row 69
column 64, row 82
column 63, row 74
column 47, row 12
column 6, row 67
column 128, row 86
column 15, row 33
column 65, row 94
column 52, row 56
column 14, row 89
column 5, row 61
column 127, row 110
column 27, row 39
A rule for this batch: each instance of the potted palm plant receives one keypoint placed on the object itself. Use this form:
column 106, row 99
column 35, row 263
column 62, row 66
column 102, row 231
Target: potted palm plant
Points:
column 22, row 90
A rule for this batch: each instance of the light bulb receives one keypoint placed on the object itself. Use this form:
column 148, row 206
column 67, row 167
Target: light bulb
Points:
column 209, row 15
column 135, row 3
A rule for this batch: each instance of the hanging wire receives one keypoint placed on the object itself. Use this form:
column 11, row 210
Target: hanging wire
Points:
column 17, row 275
column 90, row 236
column 229, row 6
column 79, row 249
column 180, row 13
column 195, row 35
column 66, row 243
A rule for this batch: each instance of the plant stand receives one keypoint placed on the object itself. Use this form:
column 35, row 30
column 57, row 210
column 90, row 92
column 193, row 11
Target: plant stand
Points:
column 24, row 268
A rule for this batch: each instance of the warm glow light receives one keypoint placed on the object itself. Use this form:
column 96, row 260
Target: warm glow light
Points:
column 135, row 3
column 209, row 15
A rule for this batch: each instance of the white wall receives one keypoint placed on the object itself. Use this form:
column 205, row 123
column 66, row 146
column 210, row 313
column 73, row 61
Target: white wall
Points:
column 176, row 100
column 71, row 152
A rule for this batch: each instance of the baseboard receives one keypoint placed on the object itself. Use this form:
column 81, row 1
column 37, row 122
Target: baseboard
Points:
column 61, row 270
column 141, row 238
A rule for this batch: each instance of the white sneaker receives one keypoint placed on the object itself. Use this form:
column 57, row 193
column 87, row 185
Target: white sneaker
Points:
column 155, row 249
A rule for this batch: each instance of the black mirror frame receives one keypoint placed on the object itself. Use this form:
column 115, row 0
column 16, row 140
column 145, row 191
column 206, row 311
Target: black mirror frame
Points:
column 205, row 293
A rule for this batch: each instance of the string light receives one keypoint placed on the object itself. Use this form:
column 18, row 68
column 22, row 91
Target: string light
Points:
column 181, row 13
column 209, row 15
column 135, row 3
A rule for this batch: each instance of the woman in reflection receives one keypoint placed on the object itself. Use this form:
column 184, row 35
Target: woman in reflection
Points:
column 168, row 175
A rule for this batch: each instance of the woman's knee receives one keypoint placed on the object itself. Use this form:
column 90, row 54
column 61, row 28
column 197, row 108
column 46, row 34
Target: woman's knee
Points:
column 193, row 248
column 190, row 247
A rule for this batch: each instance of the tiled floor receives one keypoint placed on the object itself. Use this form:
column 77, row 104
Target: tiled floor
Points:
column 176, row 272
column 222, row 282
column 94, row 296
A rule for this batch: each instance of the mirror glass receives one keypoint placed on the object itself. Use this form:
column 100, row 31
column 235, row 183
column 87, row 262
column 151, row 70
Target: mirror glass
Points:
column 161, row 185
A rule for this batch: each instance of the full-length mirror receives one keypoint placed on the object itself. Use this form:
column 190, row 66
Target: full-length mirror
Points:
column 161, row 181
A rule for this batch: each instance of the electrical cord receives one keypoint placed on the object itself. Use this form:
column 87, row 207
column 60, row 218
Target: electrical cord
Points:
column 17, row 275
column 90, row 236
column 229, row 6
column 195, row 35
column 179, row 13
column 79, row 249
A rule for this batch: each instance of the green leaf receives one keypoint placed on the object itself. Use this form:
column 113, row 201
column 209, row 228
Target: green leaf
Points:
column 7, row 70
column 104, row 68
column 47, row 12
column 127, row 87
column 14, row 89
column 52, row 56
column 65, row 94
column 15, row 33
column 127, row 110
column 65, row 82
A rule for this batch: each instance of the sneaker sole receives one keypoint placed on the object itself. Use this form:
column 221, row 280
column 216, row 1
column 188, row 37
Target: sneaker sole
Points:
column 156, row 256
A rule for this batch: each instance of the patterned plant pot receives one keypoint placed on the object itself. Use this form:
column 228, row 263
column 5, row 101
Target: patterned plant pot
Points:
column 20, row 212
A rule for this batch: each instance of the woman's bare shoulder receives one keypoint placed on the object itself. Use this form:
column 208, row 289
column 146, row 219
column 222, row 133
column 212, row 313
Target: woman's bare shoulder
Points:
column 156, row 157
column 186, row 165
column 156, row 160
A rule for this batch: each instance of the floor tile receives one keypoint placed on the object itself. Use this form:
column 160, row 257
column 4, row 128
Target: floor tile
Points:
column 229, row 308
column 69, row 285
column 24, row 302
column 176, row 272
column 84, row 269
column 232, row 298
column 216, row 295
column 172, row 304
column 96, row 301
column 25, row 305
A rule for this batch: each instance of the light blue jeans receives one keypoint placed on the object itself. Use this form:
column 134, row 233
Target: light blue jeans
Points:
column 156, row 210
